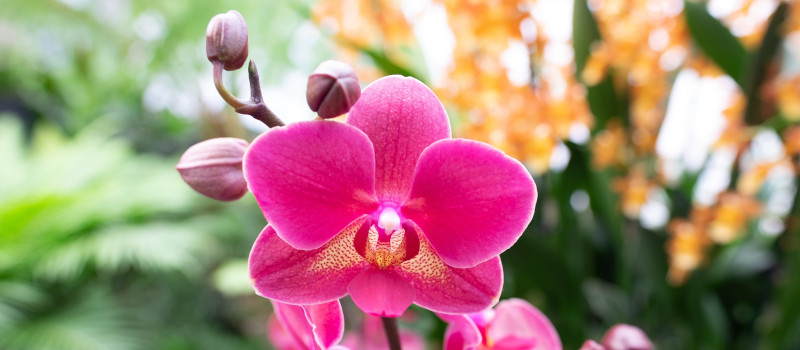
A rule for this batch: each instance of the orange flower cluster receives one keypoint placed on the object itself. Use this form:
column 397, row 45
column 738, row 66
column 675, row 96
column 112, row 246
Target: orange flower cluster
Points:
column 788, row 96
column 687, row 244
column 525, row 121
column 749, row 21
column 792, row 141
column 643, row 42
column 634, row 190
column 736, row 133
column 610, row 146
column 722, row 223
column 366, row 25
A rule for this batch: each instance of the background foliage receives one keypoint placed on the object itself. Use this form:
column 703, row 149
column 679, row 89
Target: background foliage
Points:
column 103, row 247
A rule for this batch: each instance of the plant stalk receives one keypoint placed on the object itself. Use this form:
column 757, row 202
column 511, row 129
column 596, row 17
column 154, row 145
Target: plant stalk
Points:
column 392, row 332
column 255, row 107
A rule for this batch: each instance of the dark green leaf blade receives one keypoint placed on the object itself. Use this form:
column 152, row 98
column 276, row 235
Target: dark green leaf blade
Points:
column 716, row 41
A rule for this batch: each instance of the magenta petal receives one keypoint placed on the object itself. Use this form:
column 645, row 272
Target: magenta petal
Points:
column 401, row 116
column 294, row 322
column 471, row 200
column 626, row 337
column 381, row 292
column 442, row 288
column 304, row 277
column 311, row 179
column 591, row 345
column 277, row 334
column 461, row 333
column 327, row 321
column 518, row 324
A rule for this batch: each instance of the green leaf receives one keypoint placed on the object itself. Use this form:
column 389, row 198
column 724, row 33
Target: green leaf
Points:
column 584, row 33
column 741, row 260
column 389, row 67
column 152, row 247
column 716, row 41
column 93, row 322
column 763, row 57
column 607, row 301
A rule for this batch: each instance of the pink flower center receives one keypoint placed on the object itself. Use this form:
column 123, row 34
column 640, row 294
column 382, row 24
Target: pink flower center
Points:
column 385, row 239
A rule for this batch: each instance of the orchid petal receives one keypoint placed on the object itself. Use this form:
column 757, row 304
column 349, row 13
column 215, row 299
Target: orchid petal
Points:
column 304, row 277
column 279, row 336
column 471, row 200
column 381, row 292
column 519, row 325
column 401, row 116
column 591, row 345
column 461, row 333
column 327, row 320
column 626, row 337
column 441, row 288
column 294, row 322
column 410, row 340
column 311, row 179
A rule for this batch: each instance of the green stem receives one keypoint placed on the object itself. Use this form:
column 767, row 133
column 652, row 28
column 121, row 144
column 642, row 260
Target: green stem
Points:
column 223, row 92
column 392, row 332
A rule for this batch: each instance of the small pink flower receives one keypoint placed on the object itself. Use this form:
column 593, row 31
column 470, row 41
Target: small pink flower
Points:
column 592, row 345
column 626, row 337
column 621, row 337
column 308, row 327
column 513, row 324
column 385, row 207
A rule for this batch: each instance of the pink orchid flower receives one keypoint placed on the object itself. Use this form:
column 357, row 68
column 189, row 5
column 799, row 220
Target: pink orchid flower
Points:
column 621, row 337
column 308, row 327
column 372, row 336
column 385, row 207
column 513, row 324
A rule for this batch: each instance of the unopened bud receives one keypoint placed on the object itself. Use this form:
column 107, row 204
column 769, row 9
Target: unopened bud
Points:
column 214, row 168
column 226, row 40
column 332, row 89
column 626, row 337
column 591, row 345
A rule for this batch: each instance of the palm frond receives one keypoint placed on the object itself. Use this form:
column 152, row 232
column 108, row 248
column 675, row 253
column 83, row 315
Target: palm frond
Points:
column 92, row 323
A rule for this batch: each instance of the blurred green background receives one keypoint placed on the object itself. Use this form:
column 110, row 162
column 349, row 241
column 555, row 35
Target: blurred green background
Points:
column 102, row 246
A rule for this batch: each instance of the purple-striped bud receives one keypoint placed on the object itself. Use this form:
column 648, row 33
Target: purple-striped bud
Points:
column 626, row 337
column 214, row 168
column 332, row 89
column 226, row 40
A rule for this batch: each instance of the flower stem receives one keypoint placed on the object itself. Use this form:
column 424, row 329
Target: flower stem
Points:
column 255, row 107
column 392, row 333
column 223, row 92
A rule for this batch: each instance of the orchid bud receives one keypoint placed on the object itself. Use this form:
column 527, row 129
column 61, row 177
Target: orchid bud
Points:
column 591, row 345
column 214, row 168
column 226, row 40
column 332, row 89
column 626, row 337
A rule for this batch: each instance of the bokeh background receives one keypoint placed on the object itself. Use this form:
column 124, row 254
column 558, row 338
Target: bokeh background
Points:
column 662, row 135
